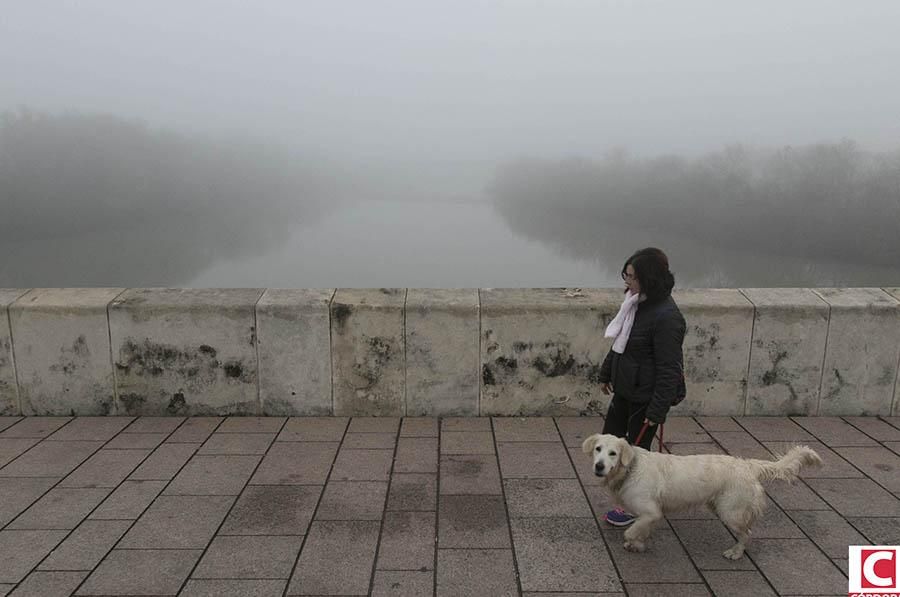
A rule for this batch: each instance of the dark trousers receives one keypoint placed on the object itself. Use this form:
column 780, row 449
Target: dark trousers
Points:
column 624, row 419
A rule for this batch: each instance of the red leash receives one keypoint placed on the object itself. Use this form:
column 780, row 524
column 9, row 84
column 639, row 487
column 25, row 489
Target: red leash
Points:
column 644, row 429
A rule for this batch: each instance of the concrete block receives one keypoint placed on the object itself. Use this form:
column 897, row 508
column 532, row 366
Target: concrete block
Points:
column 895, row 409
column 789, row 330
column 367, row 351
column 294, row 351
column 541, row 350
column 442, row 352
column 61, row 341
column 716, row 351
column 861, row 353
column 182, row 351
column 9, row 391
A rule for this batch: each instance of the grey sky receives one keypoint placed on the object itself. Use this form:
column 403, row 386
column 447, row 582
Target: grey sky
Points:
column 467, row 80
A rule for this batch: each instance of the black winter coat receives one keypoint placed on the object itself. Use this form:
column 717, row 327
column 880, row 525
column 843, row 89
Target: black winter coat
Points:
column 650, row 370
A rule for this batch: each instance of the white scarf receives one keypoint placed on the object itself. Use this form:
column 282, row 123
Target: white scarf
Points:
column 620, row 327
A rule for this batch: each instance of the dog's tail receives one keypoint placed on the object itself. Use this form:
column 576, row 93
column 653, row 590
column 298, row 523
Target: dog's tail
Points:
column 788, row 466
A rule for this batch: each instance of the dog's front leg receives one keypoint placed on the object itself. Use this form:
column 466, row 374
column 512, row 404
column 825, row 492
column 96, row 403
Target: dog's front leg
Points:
column 636, row 535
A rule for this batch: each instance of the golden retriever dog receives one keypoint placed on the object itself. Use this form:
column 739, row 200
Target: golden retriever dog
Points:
column 649, row 485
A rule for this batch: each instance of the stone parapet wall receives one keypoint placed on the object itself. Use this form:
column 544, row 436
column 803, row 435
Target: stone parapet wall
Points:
column 437, row 352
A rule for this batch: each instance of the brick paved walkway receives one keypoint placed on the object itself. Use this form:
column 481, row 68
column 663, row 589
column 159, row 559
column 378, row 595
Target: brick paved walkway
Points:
column 274, row 506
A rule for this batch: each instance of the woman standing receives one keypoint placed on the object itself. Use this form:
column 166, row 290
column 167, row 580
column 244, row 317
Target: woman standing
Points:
column 643, row 369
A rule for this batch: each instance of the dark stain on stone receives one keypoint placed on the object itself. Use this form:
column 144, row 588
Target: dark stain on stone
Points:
column 487, row 376
column 593, row 373
column 468, row 467
column 884, row 467
column 378, row 356
column 555, row 365
column 132, row 402
column 233, row 369
column 207, row 350
column 177, row 405
column 507, row 363
column 522, row 346
column 72, row 359
column 592, row 409
column 772, row 376
column 340, row 312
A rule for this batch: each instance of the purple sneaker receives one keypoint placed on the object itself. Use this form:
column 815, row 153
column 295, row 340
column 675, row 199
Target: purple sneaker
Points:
column 619, row 518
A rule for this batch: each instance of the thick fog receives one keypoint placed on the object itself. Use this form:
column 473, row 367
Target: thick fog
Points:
column 420, row 143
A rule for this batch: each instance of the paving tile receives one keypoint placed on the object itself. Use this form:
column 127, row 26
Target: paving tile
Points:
column 370, row 441
column 164, row 463
column 296, row 463
column 407, row 541
column 337, row 559
column 413, row 491
column 685, row 430
column 879, row 531
column 195, row 430
column 362, row 465
column 237, row 443
column 419, row 427
column 251, row 425
column 106, row 468
column 6, row 422
column 5, row 589
column 178, row 522
column 20, row 551
column 467, row 442
column 562, row 554
column 893, row 421
column 664, row 561
column 405, row 583
column 313, row 429
column 465, row 424
column 774, row 429
column 534, row 461
column 893, row 447
column 738, row 583
column 50, row 584
column 538, row 498
column 249, row 557
column 794, row 496
column 16, row 495
column 233, row 588
column 38, row 427
column 468, row 521
column 85, row 546
column 833, row 466
column 875, row 428
column 60, row 508
column 879, row 464
column 705, row 540
column 775, row 524
column 11, row 448
column 91, row 429
column 374, row 425
column 141, row 572
column 575, row 430
column 50, row 459
column 213, row 475
column 136, row 441
column 352, row 500
column 416, row 455
column 781, row 559
column 527, row 429
column 466, row 572
column 834, row 431
column 740, row 443
column 847, row 495
column 718, row 424
column 601, row 503
column 128, row 500
column 667, row 589
column 829, row 531
column 570, row 594
column 470, row 474
column 154, row 425
column 272, row 510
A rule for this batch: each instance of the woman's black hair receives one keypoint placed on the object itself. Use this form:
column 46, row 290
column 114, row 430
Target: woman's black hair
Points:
column 651, row 268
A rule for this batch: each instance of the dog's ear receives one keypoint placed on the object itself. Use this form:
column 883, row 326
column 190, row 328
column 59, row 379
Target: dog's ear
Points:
column 626, row 452
column 588, row 445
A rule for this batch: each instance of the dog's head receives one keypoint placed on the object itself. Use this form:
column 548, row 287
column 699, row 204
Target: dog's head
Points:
column 611, row 454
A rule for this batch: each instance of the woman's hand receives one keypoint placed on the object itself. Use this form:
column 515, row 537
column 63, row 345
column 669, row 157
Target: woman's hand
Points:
column 606, row 388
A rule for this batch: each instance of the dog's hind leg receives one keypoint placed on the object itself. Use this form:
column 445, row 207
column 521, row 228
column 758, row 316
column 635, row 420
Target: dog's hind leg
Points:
column 739, row 517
